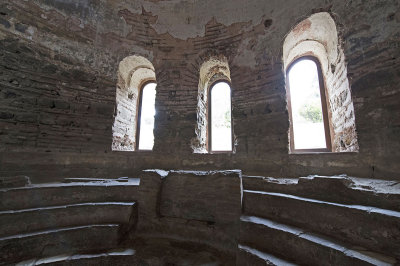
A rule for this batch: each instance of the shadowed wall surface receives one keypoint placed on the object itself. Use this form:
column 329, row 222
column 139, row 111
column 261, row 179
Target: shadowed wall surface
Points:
column 58, row 78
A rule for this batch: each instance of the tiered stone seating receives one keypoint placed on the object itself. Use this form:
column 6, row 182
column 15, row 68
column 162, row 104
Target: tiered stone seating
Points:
column 47, row 220
column 31, row 220
column 307, row 221
column 56, row 194
column 326, row 228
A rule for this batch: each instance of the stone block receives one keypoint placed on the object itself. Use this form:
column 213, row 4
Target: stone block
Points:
column 210, row 196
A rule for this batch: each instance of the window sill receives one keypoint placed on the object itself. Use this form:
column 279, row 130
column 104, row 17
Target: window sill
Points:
column 220, row 152
column 321, row 152
column 134, row 151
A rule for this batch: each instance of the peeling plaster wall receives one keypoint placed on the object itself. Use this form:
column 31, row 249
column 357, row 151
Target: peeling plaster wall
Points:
column 58, row 73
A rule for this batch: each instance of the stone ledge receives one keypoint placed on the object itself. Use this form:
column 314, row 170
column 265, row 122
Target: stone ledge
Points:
column 248, row 256
column 342, row 189
column 58, row 241
column 55, row 194
column 112, row 257
column 30, row 220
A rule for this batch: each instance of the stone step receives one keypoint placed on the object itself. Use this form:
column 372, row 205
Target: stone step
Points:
column 78, row 239
column 120, row 257
column 36, row 219
column 55, row 194
column 296, row 245
column 81, row 179
column 383, row 194
column 369, row 227
column 247, row 256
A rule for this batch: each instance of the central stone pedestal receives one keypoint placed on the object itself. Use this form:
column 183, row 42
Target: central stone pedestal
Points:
column 198, row 206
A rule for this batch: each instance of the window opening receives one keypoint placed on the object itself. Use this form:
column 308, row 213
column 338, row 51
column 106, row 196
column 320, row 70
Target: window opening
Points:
column 316, row 38
column 308, row 110
column 146, row 116
column 220, row 117
column 133, row 72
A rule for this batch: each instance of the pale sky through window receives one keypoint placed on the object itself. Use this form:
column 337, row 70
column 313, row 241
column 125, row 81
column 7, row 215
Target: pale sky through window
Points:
column 308, row 125
column 146, row 137
column 221, row 129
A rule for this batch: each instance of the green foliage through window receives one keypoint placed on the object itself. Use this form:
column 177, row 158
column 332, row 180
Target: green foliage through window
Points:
column 311, row 112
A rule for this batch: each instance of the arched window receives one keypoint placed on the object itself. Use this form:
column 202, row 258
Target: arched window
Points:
column 307, row 106
column 146, row 114
column 314, row 62
column 214, row 130
column 220, row 117
column 134, row 112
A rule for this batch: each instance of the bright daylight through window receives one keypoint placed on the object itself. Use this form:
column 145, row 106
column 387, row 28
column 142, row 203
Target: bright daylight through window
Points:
column 221, row 128
column 147, row 112
column 306, row 107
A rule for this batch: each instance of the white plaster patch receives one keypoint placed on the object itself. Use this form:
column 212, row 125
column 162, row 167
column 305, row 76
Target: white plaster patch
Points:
column 190, row 17
column 31, row 32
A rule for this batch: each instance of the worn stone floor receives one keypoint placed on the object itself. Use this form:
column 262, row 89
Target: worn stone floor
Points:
column 160, row 252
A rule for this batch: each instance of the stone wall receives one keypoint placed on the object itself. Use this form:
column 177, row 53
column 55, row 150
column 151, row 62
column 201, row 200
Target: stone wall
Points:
column 196, row 206
column 58, row 77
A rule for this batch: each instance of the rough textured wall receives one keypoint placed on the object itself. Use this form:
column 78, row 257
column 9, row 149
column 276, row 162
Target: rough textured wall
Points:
column 202, row 206
column 58, row 79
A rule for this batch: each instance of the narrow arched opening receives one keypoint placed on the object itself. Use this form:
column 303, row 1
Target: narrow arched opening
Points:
column 136, row 81
column 145, row 123
column 316, row 37
column 220, row 117
column 214, row 79
column 308, row 112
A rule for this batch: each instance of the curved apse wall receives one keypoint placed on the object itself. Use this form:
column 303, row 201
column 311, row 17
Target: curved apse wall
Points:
column 57, row 120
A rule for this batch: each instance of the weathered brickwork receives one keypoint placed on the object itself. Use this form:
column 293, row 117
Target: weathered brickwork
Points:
column 58, row 77
column 342, row 109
